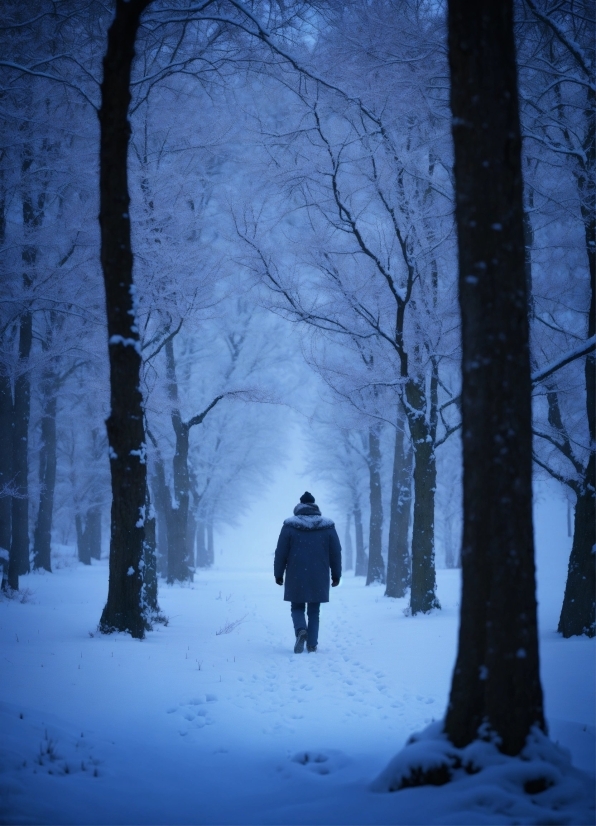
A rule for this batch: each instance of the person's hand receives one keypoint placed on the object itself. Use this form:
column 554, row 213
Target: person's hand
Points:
column 334, row 583
column 279, row 580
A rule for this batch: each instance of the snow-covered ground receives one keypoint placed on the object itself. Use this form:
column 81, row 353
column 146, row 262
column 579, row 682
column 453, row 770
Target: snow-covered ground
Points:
column 195, row 725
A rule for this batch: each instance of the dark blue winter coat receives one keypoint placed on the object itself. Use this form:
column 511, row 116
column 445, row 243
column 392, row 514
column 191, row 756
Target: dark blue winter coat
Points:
column 307, row 550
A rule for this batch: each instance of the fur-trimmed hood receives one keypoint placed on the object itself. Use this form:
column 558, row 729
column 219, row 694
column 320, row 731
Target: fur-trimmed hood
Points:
column 309, row 523
column 308, row 517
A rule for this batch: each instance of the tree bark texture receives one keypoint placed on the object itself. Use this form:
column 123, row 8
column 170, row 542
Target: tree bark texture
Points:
column 587, row 188
column 19, row 543
column 376, row 565
column 33, row 208
column 42, row 536
column 125, row 426
column 398, row 555
column 6, row 436
column 496, row 680
column 178, row 569
column 423, row 596
column 149, row 592
column 578, row 613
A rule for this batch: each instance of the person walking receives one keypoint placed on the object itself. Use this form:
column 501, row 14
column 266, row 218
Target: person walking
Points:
column 307, row 550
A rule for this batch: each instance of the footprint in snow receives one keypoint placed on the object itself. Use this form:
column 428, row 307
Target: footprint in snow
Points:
column 194, row 713
column 321, row 762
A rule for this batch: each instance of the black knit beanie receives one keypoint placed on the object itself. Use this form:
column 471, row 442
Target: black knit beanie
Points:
column 307, row 498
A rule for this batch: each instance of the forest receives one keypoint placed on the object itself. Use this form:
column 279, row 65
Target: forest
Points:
column 370, row 223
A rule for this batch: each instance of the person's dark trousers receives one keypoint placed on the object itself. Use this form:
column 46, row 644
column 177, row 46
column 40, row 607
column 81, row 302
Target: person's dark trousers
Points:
column 299, row 620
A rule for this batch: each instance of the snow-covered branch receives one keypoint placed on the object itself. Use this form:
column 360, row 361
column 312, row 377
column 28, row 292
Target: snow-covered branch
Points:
column 571, row 355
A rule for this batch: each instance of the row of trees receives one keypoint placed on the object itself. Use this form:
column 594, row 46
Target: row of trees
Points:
column 349, row 234
column 206, row 348
column 363, row 257
column 319, row 188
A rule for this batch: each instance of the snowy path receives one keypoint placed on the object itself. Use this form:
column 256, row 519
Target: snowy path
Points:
column 192, row 726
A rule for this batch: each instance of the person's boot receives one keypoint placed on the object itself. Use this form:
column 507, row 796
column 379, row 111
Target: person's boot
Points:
column 311, row 649
column 300, row 640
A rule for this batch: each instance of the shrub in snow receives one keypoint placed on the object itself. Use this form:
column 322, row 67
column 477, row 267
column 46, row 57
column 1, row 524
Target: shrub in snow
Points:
column 23, row 596
column 538, row 786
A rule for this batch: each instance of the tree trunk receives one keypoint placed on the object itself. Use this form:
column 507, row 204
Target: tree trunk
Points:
column 19, row 544
column 578, row 614
column 178, row 569
column 496, row 681
column 348, row 560
column 42, row 536
column 163, row 506
column 376, row 565
column 6, row 436
column 191, row 530
column 451, row 548
column 125, row 426
column 398, row 556
column 149, row 594
column 93, row 531
column 361, row 558
column 587, row 187
column 201, row 549
column 210, row 545
column 423, row 593
column 82, row 540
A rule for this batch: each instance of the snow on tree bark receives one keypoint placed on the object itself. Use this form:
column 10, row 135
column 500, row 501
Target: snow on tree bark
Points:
column 126, row 435
column 423, row 593
column 496, row 681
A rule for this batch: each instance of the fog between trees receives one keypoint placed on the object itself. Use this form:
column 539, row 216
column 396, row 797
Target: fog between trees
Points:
column 290, row 171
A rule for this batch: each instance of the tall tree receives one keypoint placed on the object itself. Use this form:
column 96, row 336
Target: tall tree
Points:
column 125, row 425
column 558, row 81
column 47, row 473
column 496, row 680
column 398, row 556
column 376, row 564
column 19, row 540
